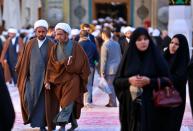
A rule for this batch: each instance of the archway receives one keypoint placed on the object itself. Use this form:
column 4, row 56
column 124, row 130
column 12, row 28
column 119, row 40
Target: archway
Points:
column 112, row 8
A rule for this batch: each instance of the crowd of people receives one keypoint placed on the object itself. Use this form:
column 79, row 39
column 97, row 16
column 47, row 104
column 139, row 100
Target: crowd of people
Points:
column 53, row 68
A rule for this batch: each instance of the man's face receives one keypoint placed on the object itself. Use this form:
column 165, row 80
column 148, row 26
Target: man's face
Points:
column 41, row 33
column 87, row 29
column 11, row 35
column 61, row 36
column 128, row 34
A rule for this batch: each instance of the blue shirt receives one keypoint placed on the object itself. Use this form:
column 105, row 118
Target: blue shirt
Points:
column 91, row 51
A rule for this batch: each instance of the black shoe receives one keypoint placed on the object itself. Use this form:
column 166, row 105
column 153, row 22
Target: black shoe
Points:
column 62, row 123
column 110, row 105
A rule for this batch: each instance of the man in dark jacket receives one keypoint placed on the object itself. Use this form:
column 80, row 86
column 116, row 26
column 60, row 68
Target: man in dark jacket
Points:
column 93, row 57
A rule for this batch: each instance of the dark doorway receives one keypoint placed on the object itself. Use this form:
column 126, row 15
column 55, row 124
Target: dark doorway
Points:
column 111, row 9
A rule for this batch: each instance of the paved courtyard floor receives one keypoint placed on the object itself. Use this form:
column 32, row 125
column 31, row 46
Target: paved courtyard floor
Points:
column 96, row 118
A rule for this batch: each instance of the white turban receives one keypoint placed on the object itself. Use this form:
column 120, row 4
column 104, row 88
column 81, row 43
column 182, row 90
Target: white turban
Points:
column 12, row 30
column 41, row 23
column 128, row 29
column 63, row 26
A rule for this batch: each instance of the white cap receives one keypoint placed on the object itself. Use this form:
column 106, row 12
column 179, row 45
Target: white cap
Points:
column 31, row 30
column 101, row 19
column 156, row 32
column 96, row 33
column 63, row 26
column 120, row 19
column 41, row 23
column 108, row 19
column 106, row 24
column 12, row 30
column 4, row 33
column 95, row 22
column 23, row 30
column 75, row 31
column 150, row 30
column 128, row 29
column 98, row 27
column 122, row 29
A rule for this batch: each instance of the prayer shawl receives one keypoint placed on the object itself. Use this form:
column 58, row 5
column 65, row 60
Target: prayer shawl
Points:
column 69, row 74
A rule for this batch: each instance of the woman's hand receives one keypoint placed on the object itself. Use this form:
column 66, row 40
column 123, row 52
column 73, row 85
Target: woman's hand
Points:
column 146, row 80
column 135, row 81
column 139, row 81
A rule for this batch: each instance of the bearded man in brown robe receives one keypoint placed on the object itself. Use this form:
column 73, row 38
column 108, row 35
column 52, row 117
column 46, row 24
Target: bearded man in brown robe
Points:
column 67, row 74
column 31, row 69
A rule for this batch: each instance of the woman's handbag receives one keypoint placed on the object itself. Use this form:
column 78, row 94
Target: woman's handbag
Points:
column 167, row 96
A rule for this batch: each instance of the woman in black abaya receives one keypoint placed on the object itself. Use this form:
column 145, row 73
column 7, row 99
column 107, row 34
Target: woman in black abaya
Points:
column 135, row 81
column 190, row 82
column 177, row 56
column 7, row 114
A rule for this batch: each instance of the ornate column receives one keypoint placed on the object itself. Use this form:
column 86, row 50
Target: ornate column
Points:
column 180, row 19
column 154, row 11
column 80, row 12
column 57, row 11
column 142, row 12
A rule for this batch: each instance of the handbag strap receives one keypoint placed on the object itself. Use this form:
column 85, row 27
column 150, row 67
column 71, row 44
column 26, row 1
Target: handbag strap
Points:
column 167, row 79
column 166, row 88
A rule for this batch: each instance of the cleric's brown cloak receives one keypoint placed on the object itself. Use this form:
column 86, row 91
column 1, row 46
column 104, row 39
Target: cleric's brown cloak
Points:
column 22, row 68
column 69, row 77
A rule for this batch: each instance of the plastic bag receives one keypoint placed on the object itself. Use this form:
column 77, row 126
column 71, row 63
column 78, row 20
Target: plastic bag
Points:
column 135, row 92
column 103, row 85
